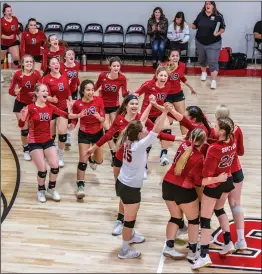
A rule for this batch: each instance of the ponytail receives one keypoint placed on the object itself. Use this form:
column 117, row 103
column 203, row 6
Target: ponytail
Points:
column 121, row 139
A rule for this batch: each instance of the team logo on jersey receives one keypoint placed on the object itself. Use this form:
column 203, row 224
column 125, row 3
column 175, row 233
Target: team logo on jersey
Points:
column 174, row 76
column 13, row 28
column 33, row 41
column 90, row 110
column 241, row 260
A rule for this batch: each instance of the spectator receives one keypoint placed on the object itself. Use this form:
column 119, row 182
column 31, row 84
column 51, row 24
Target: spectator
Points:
column 210, row 25
column 178, row 32
column 258, row 35
column 157, row 29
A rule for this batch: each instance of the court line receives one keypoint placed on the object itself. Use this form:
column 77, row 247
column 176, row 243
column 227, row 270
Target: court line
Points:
column 162, row 260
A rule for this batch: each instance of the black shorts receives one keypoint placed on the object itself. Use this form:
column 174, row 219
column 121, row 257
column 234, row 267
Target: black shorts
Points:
column 152, row 119
column 117, row 162
column 18, row 106
column 109, row 110
column 128, row 195
column 173, row 98
column 180, row 195
column 54, row 116
column 216, row 192
column 238, row 176
column 38, row 58
column 74, row 94
column 16, row 43
column 43, row 146
column 86, row 138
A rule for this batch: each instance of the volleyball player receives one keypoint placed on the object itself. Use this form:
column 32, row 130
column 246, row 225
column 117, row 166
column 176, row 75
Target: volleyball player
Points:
column 60, row 96
column 218, row 183
column 90, row 131
column 41, row 144
column 22, row 87
column 111, row 82
column 130, row 179
column 32, row 40
column 234, row 196
column 180, row 194
column 176, row 71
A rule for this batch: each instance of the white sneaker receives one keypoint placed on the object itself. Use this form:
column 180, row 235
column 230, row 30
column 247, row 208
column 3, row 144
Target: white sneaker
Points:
column 137, row 239
column 145, row 174
column 203, row 76
column 129, row 254
column 2, row 78
column 60, row 158
column 182, row 231
column 192, row 256
column 241, row 245
column 54, row 194
column 213, row 84
column 80, row 192
column 164, row 160
column 172, row 253
column 27, row 156
column 201, row 262
column 68, row 140
column 227, row 249
column 118, row 228
column 93, row 165
column 41, row 196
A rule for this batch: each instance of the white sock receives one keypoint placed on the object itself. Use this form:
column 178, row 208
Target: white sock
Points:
column 240, row 234
column 125, row 246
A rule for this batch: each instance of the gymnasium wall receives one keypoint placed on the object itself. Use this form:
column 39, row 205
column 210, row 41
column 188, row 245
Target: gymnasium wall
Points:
column 240, row 17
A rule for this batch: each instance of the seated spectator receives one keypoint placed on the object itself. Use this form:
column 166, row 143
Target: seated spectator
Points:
column 258, row 35
column 157, row 30
column 178, row 32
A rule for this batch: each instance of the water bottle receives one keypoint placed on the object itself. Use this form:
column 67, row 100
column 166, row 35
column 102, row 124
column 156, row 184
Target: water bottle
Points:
column 83, row 59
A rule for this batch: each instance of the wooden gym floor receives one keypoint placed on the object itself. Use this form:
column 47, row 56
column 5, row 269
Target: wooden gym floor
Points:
column 73, row 236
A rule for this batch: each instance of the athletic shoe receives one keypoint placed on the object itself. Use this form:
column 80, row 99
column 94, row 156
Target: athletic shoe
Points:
column 129, row 254
column 192, row 256
column 241, row 245
column 92, row 164
column 68, row 140
column 164, row 160
column 172, row 253
column 182, row 231
column 27, row 156
column 60, row 158
column 118, row 228
column 41, row 196
column 80, row 192
column 137, row 239
column 213, row 84
column 201, row 262
column 54, row 194
column 203, row 76
column 227, row 249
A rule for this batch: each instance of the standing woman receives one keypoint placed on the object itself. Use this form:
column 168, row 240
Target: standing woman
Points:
column 157, row 27
column 9, row 32
column 22, row 87
column 111, row 82
column 210, row 25
column 32, row 41
column 41, row 144
column 60, row 96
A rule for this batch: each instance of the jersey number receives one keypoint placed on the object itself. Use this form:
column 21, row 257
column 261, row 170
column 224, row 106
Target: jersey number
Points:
column 160, row 96
column 72, row 74
column 28, row 84
column 61, row 86
column 128, row 155
column 44, row 116
column 226, row 160
column 112, row 88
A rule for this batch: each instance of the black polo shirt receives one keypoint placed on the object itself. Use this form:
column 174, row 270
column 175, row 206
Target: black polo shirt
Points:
column 206, row 26
column 258, row 29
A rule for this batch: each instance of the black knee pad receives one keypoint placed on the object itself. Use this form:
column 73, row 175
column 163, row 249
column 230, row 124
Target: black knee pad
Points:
column 219, row 212
column 148, row 149
column 24, row 132
column 54, row 170
column 2, row 62
column 130, row 224
column 116, row 135
column 169, row 131
column 82, row 166
column 176, row 221
column 194, row 222
column 16, row 63
column 205, row 222
column 42, row 174
column 62, row 138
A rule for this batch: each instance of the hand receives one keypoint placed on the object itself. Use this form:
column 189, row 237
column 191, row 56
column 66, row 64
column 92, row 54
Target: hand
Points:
column 193, row 92
column 190, row 26
column 216, row 34
column 222, row 177
column 154, row 27
column 90, row 151
column 152, row 99
column 169, row 105
column 82, row 113
column 23, row 113
column 179, row 138
column 18, row 90
column 54, row 99
column 158, row 28
column 71, row 126
column 97, row 116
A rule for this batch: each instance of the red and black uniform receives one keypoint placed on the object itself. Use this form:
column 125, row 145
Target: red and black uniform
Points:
column 91, row 130
column 30, row 44
column 72, row 73
column 181, row 188
column 47, row 55
column 219, row 159
column 26, row 84
column 149, row 88
column 110, row 90
column 58, row 87
column 176, row 93
column 9, row 28
column 39, row 119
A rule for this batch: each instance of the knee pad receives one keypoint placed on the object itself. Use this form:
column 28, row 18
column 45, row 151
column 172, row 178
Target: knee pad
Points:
column 54, row 170
column 236, row 209
column 148, row 149
column 205, row 222
column 169, row 131
column 16, row 63
column 62, row 138
column 24, row 132
column 42, row 174
column 194, row 222
column 130, row 224
column 219, row 212
column 82, row 166
column 176, row 221
column 2, row 62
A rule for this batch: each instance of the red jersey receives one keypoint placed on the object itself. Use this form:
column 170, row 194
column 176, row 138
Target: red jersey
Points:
column 219, row 158
column 89, row 124
column 72, row 73
column 9, row 28
column 192, row 173
column 47, row 55
column 58, row 87
column 236, row 165
column 175, row 77
column 39, row 122
column 26, row 84
column 110, row 88
column 149, row 88
column 30, row 43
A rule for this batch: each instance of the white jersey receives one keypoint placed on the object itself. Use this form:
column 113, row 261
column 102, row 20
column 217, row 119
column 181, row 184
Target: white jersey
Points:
column 134, row 161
